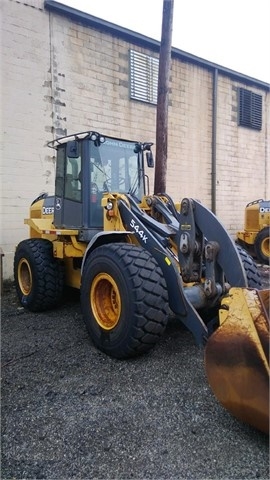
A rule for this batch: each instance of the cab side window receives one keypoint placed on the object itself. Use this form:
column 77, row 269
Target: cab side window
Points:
column 72, row 181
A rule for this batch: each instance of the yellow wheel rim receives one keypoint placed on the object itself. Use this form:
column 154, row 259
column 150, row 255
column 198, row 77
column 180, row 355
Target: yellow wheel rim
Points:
column 105, row 301
column 265, row 247
column 25, row 276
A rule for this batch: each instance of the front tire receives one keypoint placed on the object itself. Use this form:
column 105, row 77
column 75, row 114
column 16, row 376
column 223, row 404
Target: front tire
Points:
column 124, row 300
column 39, row 277
column 262, row 245
column 251, row 269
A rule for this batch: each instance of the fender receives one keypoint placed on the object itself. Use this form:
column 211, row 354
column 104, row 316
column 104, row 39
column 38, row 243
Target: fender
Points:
column 102, row 238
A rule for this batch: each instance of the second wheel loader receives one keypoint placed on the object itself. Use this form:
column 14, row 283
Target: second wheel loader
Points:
column 138, row 258
column 255, row 237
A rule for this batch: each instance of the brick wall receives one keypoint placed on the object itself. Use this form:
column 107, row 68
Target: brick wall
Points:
column 61, row 77
column 242, row 157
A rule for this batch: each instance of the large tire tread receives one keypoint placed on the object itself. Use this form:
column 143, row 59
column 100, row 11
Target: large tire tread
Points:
column 148, row 295
column 263, row 235
column 251, row 269
column 47, row 273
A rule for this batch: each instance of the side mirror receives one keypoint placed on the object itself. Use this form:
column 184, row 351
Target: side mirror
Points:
column 150, row 159
column 73, row 149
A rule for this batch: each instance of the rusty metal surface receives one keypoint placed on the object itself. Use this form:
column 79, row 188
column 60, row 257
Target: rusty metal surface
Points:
column 237, row 357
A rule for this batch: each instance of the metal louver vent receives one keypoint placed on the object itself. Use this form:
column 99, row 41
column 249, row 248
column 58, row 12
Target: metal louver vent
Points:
column 249, row 109
column 143, row 77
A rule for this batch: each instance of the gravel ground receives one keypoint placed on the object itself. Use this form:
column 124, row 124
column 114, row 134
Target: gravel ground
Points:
column 71, row 412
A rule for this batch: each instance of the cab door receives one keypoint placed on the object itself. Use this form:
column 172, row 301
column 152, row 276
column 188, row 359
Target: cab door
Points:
column 68, row 190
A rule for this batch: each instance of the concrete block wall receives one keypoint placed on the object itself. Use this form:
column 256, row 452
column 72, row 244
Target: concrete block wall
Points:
column 96, row 71
column 190, row 133
column 243, row 157
column 27, row 168
column 59, row 77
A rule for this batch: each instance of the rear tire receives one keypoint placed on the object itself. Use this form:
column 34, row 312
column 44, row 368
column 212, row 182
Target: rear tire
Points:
column 251, row 269
column 261, row 246
column 39, row 277
column 124, row 300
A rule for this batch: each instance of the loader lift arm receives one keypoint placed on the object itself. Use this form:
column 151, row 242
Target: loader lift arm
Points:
column 197, row 234
column 154, row 244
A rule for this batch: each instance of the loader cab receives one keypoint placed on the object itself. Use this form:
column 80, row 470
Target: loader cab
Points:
column 88, row 165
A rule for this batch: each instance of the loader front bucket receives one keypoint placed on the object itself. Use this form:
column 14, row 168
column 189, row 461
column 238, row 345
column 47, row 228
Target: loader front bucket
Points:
column 237, row 356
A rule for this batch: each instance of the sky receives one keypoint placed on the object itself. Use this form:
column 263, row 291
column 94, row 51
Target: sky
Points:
column 232, row 33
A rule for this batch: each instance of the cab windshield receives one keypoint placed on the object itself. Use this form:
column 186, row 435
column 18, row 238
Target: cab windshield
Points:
column 115, row 167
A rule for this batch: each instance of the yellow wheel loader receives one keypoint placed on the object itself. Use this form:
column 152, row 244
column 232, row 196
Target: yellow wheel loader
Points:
column 138, row 258
column 255, row 237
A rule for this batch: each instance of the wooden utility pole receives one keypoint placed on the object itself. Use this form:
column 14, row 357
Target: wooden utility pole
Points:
column 163, row 97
